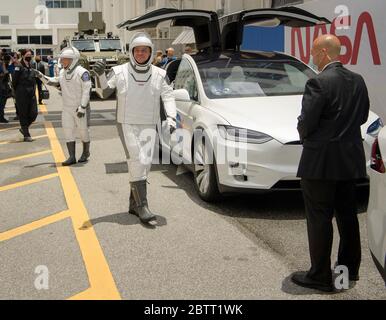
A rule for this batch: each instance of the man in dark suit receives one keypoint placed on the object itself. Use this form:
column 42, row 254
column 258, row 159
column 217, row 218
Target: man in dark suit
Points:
column 38, row 65
column 335, row 105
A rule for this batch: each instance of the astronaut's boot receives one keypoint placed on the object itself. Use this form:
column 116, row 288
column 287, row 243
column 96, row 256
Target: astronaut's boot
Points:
column 140, row 206
column 86, row 152
column 71, row 151
column 131, row 202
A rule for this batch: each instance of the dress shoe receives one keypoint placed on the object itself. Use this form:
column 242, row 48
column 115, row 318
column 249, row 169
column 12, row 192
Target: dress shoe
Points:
column 301, row 279
column 351, row 277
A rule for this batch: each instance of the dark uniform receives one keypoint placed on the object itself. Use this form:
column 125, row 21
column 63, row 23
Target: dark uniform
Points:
column 40, row 67
column 4, row 77
column 24, row 84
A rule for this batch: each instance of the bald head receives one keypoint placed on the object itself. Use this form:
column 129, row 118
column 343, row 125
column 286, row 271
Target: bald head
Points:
column 326, row 49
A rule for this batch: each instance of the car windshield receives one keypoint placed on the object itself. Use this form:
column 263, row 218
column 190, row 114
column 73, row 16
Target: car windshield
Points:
column 110, row 45
column 239, row 78
column 84, row 45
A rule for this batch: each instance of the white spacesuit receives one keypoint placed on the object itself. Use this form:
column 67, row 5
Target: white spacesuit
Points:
column 139, row 88
column 75, row 84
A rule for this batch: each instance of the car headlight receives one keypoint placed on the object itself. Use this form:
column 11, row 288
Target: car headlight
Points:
column 243, row 135
column 375, row 128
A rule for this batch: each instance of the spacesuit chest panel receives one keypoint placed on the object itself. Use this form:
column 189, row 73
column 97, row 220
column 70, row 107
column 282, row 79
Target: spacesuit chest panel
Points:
column 70, row 85
column 138, row 97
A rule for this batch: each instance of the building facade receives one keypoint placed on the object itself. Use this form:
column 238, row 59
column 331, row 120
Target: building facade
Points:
column 43, row 24
column 40, row 24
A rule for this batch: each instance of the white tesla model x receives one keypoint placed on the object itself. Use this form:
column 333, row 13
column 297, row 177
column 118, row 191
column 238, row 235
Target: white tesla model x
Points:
column 237, row 110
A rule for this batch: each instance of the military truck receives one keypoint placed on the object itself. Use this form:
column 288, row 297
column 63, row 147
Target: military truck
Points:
column 95, row 45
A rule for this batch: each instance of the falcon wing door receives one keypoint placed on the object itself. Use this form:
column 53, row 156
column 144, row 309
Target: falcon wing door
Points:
column 232, row 26
column 204, row 24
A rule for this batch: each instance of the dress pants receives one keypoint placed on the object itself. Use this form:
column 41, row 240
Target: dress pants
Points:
column 322, row 198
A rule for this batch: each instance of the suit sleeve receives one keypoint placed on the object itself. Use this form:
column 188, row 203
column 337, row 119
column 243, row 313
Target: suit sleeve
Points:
column 86, row 89
column 314, row 101
column 16, row 77
column 366, row 103
column 168, row 99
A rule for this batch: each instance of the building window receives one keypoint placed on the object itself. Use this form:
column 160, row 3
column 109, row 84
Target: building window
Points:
column 4, row 19
column 46, row 39
column 5, row 38
column 22, row 40
column 64, row 4
column 281, row 3
column 34, row 39
column 44, row 53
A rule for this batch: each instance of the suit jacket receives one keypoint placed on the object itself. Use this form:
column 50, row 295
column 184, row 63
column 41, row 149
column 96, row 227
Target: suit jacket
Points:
column 335, row 105
column 39, row 66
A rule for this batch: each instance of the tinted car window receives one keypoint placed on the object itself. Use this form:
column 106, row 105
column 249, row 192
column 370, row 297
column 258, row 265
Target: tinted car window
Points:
column 185, row 79
column 236, row 78
column 84, row 45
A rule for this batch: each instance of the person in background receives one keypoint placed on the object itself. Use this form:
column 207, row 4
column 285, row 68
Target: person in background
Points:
column 188, row 50
column 38, row 65
column 51, row 66
column 169, row 57
column 158, row 59
column 75, row 84
column 4, row 78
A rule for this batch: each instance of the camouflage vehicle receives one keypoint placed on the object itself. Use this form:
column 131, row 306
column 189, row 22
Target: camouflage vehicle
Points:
column 94, row 45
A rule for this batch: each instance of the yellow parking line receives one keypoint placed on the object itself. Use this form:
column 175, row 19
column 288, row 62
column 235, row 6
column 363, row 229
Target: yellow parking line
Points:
column 85, row 295
column 28, row 182
column 17, row 127
column 30, row 155
column 43, row 108
column 101, row 280
column 15, row 141
column 33, row 225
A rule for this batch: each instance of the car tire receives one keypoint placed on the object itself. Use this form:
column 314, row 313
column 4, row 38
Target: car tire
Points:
column 205, row 174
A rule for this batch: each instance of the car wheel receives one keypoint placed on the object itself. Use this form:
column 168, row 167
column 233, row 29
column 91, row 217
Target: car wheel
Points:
column 205, row 175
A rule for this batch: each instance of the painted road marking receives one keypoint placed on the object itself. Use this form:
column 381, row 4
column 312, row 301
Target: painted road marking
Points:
column 28, row 182
column 6, row 235
column 30, row 155
column 102, row 284
column 18, row 127
column 19, row 141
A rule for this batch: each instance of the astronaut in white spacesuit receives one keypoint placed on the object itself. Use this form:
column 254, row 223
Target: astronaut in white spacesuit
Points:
column 75, row 84
column 139, row 86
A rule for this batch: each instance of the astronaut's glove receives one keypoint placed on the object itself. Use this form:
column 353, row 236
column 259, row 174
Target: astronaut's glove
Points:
column 172, row 124
column 38, row 74
column 99, row 68
column 81, row 111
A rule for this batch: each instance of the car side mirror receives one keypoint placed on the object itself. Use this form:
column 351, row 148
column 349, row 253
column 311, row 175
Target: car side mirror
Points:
column 181, row 95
